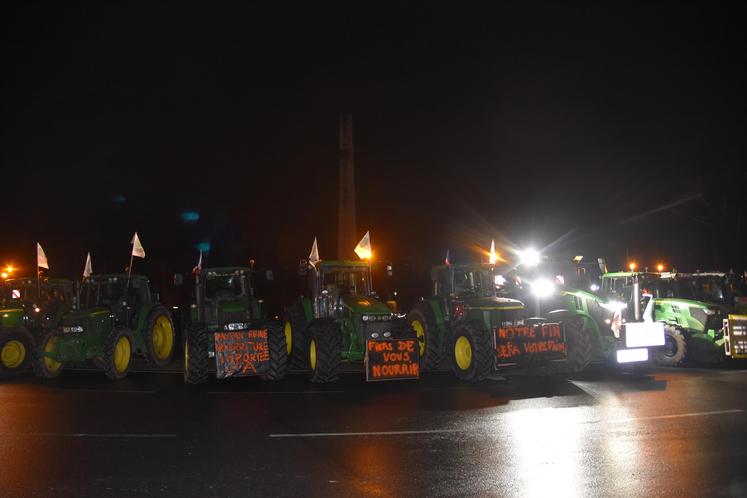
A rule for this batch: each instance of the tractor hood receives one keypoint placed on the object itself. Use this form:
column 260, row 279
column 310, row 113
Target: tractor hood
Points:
column 480, row 303
column 79, row 315
column 11, row 317
column 362, row 305
column 231, row 307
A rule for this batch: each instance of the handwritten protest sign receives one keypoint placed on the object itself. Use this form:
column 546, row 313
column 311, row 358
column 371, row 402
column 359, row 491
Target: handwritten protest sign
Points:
column 521, row 343
column 392, row 359
column 241, row 353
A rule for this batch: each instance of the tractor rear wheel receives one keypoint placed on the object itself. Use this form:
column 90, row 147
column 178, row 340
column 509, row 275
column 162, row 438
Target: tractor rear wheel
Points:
column 471, row 352
column 324, row 350
column 118, row 353
column 675, row 348
column 159, row 337
column 294, row 326
column 580, row 350
column 276, row 338
column 196, row 356
column 16, row 345
column 423, row 322
column 45, row 367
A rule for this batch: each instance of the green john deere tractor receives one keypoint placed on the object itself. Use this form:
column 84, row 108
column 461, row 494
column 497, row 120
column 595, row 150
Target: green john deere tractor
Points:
column 465, row 323
column 342, row 319
column 692, row 306
column 30, row 307
column 616, row 322
column 226, row 323
column 118, row 316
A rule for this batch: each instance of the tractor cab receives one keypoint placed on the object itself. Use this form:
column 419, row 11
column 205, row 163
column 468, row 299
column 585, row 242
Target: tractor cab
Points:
column 37, row 304
column 224, row 296
column 121, row 294
column 726, row 290
column 341, row 289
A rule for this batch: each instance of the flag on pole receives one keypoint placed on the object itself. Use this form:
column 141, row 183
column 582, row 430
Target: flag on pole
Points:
column 41, row 258
column 447, row 261
column 363, row 249
column 314, row 254
column 493, row 256
column 198, row 268
column 88, row 270
column 137, row 247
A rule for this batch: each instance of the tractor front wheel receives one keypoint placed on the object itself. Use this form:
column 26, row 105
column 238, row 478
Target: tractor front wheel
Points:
column 276, row 338
column 471, row 352
column 15, row 351
column 423, row 322
column 118, row 353
column 578, row 342
column 196, row 356
column 324, row 350
column 44, row 366
column 294, row 326
column 675, row 348
column 159, row 337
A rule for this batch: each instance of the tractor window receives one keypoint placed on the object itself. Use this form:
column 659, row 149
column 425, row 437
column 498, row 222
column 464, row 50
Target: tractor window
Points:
column 441, row 286
column 110, row 293
column 346, row 281
column 711, row 290
column 479, row 283
column 224, row 286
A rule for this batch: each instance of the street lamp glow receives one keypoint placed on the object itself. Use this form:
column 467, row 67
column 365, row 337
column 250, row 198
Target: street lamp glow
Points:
column 543, row 287
column 660, row 267
column 529, row 257
column 632, row 266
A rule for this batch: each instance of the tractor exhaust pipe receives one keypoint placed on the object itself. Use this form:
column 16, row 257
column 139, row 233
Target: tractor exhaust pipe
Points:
column 637, row 299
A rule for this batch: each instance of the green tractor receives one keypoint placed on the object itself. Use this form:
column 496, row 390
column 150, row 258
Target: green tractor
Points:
column 467, row 323
column 693, row 306
column 118, row 316
column 616, row 322
column 226, row 322
column 342, row 319
column 30, row 307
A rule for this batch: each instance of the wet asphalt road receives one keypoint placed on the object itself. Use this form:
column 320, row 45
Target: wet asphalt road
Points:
column 667, row 433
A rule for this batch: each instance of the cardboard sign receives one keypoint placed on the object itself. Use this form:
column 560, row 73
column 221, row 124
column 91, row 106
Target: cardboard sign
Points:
column 241, row 353
column 735, row 336
column 526, row 343
column 392, row 359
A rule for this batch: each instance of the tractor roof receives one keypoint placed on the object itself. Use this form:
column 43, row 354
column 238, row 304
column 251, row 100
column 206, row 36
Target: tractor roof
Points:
column 631, row 274
column 343, row 263
column 464, row 266
column 32, row 281
column 107, row 276
column 227, row 269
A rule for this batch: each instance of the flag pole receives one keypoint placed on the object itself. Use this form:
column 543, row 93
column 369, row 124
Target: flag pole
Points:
column 129, row 272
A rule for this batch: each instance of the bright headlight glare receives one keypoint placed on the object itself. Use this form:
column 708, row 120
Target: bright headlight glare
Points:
column 613, row 306
column 529, row 257
column 543, row 287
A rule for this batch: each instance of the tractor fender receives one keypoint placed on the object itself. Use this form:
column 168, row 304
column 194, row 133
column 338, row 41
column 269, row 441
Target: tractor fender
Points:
column 142, row 317
column 308, row 311
column 563, row 315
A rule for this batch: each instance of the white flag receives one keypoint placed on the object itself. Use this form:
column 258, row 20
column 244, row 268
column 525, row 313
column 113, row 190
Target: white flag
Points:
column 88, row 270
column 493, row 256
column 314, row 254
column 137, row 247
column 363, row 249
column 198, row 268
column 41, row 258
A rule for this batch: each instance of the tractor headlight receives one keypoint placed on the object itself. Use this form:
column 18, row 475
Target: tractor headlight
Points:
column 543, row 287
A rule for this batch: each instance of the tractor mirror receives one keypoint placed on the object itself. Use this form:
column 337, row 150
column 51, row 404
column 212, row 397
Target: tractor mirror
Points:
column 269, row 276
column 178, row 279
column 303, row 268
column 389, row 269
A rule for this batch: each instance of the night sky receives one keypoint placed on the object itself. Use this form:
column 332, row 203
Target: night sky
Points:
column 596, row 129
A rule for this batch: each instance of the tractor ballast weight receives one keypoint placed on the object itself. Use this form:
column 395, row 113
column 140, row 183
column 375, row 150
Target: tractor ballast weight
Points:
column 30, row 307
column 466, row 323
column 225, row 324
column 118, row 316
column 340, row 318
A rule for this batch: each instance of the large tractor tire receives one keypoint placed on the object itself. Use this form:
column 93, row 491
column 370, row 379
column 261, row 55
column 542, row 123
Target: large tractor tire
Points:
column 579, row 346
column 471, row 351
column 675, row 348
column 16, row 346
column 45, row 367
column 118, row 353
column 276, row 338
column 324, row 350
column 422, row 321
column 159, row 337
column 294, row 327
column 196, row 356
